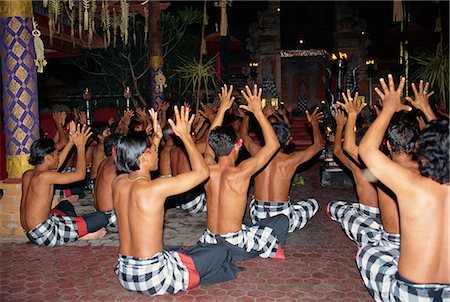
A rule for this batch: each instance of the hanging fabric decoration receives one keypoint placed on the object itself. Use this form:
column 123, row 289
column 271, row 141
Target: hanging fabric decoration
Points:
column 71, row 4
column 115, row 25
column 124, row 10
column 45, row 3
column 146, row 26
column 72, row 26
column 104, row 23
column 40, row 61
column 56, row 8
column 398, row 15
column 51, row 24
column 86, row 14
column 91, row 23
column 80, row 20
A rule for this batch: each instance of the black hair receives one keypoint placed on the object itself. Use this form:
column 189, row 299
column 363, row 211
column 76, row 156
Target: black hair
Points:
column 282, row 131
column 167, row 132
column 222, row 140
column 129, row 148
column 433, row 147
column 402, row 138
column 39, row 149
column 98, row 128
column 110, row 142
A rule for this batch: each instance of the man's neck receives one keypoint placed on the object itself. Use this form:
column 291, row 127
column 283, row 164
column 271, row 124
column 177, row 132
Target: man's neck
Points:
column 226, row 161
column 139, row 174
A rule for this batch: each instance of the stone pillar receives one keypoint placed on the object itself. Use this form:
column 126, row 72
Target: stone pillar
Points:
column 20, row 97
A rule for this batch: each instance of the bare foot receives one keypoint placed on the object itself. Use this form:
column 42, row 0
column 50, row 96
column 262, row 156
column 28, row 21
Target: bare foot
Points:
column 95, row 235
column 71, row 198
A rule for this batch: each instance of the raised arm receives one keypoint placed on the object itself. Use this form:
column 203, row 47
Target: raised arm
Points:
column 340, row 118
column 421, row 102
column 353, row 110
column 304, row 155
column 59, row 118
column 199, row 173
column 388, row 172
column 79, row 137
column 157, row 131
column 249, row 144
column 64, row 152
column 226, row 101
column 252, row 165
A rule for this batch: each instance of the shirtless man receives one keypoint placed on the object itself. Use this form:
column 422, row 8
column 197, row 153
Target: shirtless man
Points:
column 60, row 225
column 227, row 187
column 103, row 199
column 355, row 217
column 272, row 185
column 98, row 153
column 420, row 269
column 146, row 266
column 165, row 169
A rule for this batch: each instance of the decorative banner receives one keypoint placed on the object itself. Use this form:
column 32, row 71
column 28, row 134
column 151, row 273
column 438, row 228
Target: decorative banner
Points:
column 20, row 99
column 304, row 53
column 156, row 68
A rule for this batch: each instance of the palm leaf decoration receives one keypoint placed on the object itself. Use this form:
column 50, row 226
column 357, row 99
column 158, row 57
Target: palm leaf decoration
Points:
column 433, row 67
column 195, row 75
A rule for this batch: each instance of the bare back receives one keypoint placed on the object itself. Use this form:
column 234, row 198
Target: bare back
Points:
column 226, row 192
column 274, row 182
column 103, row 197
column 425, row 230
column 179, row 162
column 36, row 199
column 98, row 155
column 140, row 217
column 165, row 160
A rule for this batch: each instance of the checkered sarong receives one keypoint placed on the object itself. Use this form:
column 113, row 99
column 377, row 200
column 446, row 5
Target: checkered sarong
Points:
column 299, row 213
column 57, row 230
column 361, row 223
column 254, row 238
column 196, row 205
column 378, row 266
column 112, row 218
column 164, row 273
column 60, row 192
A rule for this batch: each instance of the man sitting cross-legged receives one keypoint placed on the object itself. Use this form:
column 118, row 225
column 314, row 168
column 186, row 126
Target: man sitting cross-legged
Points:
column 60, row 225
column 420, row 269
column 106, row 173
column 272, row 185
column 145, row 265
column 227, row 187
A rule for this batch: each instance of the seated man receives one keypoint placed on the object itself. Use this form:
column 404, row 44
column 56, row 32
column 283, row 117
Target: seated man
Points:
column 60, row 225
column 272, row 185
column 101, row 132
column 420, row 269
column 226, row 189
column 106, row 173
column 145, row 265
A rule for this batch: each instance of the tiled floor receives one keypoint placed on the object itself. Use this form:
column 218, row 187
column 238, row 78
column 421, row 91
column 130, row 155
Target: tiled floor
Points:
column 319, row 263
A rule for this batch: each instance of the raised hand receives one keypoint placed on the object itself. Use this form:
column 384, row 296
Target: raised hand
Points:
column 141, row 115
column 282, row 111
column 226, row 100
column 315, row 118
column 110, row 121
column 420, row 100
column 391, row 97
column 126, row 118
column 208, row 111
column 182, row 127
column 291, row 108
column 187, row 105
column 82, row 118
column 269, row 110
column 339, row 117
column 253, row 99
column 72, row 129
column 350, row 105
column 157, row 131
column 164, row 106
column 421, row 122
column 80, row 135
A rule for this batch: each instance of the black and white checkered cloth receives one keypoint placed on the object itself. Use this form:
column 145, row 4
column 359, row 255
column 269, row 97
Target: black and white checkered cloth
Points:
column 299, row 213
column 254, row 238
column 59, row 190
column 162, row 274
column 361, row 223
column 378, row 266
column 196, row 205
column 269, row 89
column 112, row 218
column 55, row 231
